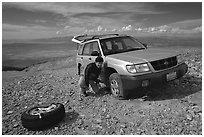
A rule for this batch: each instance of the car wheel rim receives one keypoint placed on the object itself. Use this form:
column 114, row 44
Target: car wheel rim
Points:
column 40, row 110
column 115, row 87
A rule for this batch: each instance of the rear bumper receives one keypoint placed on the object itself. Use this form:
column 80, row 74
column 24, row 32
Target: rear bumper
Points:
column 153, row 79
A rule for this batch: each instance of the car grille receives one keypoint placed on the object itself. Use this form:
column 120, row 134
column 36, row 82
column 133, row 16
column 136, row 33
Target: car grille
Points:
column 164, row 63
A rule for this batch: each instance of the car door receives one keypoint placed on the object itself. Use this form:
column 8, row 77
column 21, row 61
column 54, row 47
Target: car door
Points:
column 79, row 59
column 86, row 56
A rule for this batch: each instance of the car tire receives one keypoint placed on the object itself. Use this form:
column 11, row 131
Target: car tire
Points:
column 42, row 117
column 116, row 86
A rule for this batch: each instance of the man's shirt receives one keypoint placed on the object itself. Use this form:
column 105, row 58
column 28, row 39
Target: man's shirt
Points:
column 92, row 72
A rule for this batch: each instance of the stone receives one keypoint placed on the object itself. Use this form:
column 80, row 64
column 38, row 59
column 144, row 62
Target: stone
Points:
column 154, row 133
column 108, row 116
column 123, row 126
column 15, row 125
column 98, row 120
column 189, row 117
column 10, row 112
column 104, row 109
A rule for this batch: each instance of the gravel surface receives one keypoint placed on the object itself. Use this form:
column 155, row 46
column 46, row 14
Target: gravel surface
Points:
column 173, row 109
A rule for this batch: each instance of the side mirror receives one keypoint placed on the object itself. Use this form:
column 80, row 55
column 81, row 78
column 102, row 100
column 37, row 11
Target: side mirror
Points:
column 95, row 53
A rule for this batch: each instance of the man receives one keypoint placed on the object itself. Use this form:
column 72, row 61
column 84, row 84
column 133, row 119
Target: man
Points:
column 91, row 74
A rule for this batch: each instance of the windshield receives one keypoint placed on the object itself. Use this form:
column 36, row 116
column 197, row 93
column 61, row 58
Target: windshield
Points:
column 120, row 44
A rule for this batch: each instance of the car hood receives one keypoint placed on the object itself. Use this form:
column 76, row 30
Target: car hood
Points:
column 146, row 55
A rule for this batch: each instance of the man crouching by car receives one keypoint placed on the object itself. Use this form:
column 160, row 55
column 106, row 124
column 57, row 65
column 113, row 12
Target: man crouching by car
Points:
column 91, row 75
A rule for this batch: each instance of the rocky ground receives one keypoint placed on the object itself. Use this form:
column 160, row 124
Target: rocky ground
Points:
column 173, row 109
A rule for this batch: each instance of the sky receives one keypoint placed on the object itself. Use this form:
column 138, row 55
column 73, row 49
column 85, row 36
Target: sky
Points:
column 33, row 20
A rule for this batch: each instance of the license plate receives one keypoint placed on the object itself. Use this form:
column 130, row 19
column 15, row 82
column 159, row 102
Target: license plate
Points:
column 171, row 76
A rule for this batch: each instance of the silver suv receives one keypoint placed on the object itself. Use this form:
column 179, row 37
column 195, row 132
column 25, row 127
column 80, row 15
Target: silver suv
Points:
column 128, row 63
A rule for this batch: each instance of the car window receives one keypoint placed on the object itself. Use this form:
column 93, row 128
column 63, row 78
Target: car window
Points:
column 120, row 44
column 95, row 47
column 130, row 42
column 109, row 45
column 90, row 47
column 86, row 50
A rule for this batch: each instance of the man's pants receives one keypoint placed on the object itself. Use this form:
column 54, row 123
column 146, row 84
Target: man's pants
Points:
column 84, row 88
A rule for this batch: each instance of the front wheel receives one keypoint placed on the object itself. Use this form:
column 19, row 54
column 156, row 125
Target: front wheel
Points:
column 116, row 86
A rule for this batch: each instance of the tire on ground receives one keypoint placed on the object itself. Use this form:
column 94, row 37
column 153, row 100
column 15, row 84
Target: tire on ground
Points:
column 45, row 120
column 116, row 86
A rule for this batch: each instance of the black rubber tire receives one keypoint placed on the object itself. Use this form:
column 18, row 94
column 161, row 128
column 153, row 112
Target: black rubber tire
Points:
column 48, row 119
column 121, row 94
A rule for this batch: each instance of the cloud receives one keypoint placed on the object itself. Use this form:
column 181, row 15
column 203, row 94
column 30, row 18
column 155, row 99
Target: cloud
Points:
column 182, row 27
column 58, row 32
column 90, row 14
column 127, row 28
column 10, row 27
column 100, row 28
column 67, row 28
column 66, row 9
column 40, row 21
column 198, row 29
column 82, row 8
column 94, row 17
column 187, row 24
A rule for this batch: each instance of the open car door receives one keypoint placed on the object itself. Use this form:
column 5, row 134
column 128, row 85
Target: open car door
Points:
column 85, row 51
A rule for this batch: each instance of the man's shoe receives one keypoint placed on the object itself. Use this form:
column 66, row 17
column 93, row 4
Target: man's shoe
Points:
column 85, row 94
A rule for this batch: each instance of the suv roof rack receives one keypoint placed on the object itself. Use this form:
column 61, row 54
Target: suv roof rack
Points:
column 85, row 37
column 103, row 35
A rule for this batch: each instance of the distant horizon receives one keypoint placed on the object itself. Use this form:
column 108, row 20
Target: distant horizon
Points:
column 41, row 20
column 197, row 35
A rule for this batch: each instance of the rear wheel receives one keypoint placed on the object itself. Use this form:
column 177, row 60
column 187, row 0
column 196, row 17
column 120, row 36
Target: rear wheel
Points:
column 116, row 86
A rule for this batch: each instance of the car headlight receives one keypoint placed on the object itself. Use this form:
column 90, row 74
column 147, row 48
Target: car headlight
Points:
column 180, row 58
column 131, row 69
column 137, row 68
